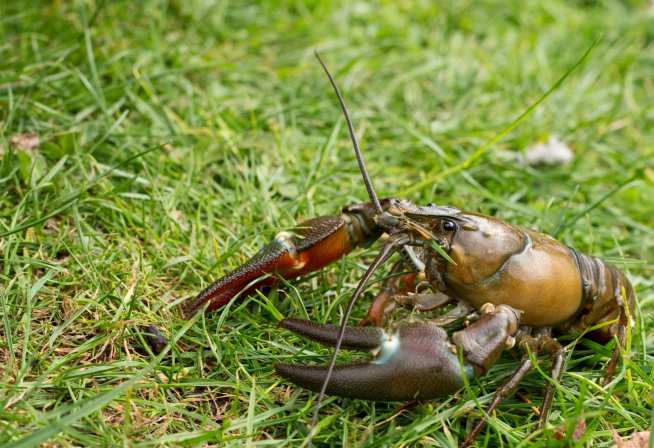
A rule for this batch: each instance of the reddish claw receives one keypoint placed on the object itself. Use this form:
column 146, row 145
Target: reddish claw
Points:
column 314, row 244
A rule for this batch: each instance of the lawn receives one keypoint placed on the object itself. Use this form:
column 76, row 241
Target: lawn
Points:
column 176, row 137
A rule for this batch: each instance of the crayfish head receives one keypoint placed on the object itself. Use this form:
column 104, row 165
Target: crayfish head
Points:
column 474, row 246
column 435, row 225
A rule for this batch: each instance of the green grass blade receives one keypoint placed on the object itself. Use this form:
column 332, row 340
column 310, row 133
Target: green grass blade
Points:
column 433, row 178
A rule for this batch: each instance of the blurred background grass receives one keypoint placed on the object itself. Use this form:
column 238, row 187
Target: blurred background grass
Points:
column 253, row 142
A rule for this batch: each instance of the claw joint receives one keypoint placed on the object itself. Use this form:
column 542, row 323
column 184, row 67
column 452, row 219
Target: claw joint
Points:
column 485, row 339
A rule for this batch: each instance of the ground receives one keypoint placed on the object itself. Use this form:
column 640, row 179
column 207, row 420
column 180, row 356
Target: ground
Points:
column 147, row 148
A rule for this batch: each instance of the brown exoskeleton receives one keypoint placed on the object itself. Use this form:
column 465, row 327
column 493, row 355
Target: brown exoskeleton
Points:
column 519, row 288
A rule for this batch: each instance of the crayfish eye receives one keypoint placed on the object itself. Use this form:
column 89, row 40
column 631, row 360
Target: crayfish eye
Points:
column 448, row 226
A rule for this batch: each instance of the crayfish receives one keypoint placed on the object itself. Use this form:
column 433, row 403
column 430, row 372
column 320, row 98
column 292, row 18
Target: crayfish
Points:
column 515, row 288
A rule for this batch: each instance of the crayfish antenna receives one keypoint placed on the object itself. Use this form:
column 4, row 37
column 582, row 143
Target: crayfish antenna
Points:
column 353, row 137
column 388, row 249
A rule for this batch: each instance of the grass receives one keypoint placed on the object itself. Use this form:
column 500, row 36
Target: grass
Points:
column 222, row 130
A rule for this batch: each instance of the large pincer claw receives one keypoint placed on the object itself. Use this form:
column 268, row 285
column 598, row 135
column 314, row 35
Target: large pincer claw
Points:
column 414, row 360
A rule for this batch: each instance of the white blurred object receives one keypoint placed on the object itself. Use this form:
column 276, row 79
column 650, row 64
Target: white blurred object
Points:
column 25, row 142
column 553, row 152
column 637, row 440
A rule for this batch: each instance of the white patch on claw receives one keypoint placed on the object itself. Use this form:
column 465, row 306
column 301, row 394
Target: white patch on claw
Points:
column 388, row 347
column 285, row 239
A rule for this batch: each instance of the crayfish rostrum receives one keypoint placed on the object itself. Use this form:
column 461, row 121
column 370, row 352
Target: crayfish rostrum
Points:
column 517, row 289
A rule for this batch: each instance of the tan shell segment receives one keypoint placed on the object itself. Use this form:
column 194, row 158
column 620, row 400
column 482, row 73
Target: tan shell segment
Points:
column 481, row 246
column 540, row 278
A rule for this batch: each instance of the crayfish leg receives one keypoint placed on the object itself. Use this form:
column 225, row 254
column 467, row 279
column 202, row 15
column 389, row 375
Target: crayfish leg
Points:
column 402, row 289
column 541, row 342
column 557, row 369
column 383, row 302
column 619, row 346
column 507, row 388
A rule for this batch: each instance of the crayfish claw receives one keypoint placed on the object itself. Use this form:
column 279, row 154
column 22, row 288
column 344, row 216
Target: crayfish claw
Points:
column 363, row 338
column 413, row 361
column 353, row 381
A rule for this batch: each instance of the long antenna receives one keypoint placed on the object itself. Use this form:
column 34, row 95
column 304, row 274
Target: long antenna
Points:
column 355, row 142
column 387, row 250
